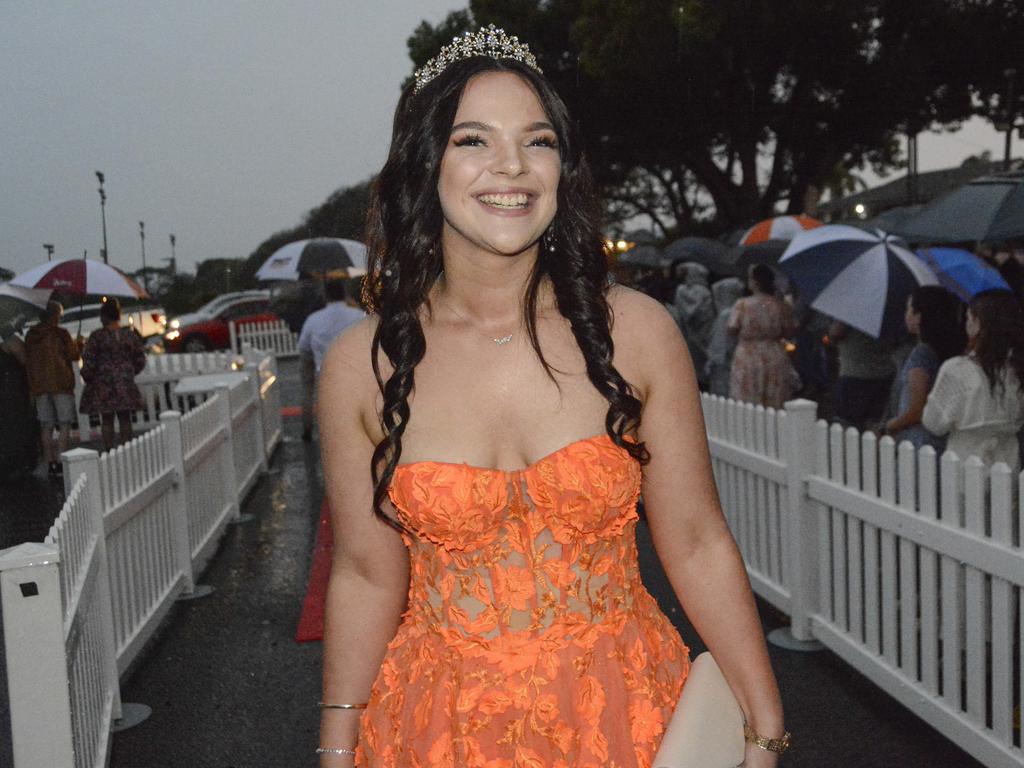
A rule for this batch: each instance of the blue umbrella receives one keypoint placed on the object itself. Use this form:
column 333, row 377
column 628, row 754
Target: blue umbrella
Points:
column 961, row 272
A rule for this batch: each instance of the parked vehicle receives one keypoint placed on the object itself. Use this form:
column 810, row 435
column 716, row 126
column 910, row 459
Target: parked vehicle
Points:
column 149, row 322
column 207, row 327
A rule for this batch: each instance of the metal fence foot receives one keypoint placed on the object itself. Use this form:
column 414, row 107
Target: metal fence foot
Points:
column 783, row 638
column 131, row 715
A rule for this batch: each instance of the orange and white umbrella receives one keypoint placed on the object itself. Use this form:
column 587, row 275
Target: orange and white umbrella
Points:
column 778, row 228
column 80, row 277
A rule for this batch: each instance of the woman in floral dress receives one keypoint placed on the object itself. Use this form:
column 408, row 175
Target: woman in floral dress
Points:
column 112, row 357
column 761, row 371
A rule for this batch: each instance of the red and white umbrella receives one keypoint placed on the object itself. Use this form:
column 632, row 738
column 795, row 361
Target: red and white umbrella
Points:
column 81, row 277
column 778, row 228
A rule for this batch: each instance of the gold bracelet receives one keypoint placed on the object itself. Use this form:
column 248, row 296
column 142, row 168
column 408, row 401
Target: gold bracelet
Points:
column 778, row 745
column 342, row 706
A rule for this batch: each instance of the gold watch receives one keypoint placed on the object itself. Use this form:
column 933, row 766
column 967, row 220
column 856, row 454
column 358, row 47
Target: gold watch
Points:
column 778, row 745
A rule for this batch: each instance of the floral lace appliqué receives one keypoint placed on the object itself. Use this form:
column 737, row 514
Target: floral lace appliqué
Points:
column 529, row 640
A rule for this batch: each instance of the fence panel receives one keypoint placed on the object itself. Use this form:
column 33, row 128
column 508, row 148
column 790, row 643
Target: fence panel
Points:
column 88, row 619
column 265, row 367
column 209, row 503
column 274, row 337
column 933, row 615
column 752, row 479
column 247, row 434
column 146, row 576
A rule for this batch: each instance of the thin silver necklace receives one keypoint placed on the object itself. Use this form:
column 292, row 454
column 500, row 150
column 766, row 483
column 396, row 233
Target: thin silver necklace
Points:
column 498, row 340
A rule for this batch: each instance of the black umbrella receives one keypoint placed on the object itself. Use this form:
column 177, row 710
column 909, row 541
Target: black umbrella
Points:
column 766, row 252
column 714, row 255
column 641, row 256
column 986, row 209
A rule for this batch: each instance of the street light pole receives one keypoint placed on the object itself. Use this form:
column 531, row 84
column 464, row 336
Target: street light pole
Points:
column 142, row 238
column 174, row 261
column 49, row 251
column 103, row 213
column 1011, row 117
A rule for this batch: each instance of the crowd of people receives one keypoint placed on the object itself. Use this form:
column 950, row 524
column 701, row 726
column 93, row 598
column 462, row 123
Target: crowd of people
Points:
column 40, row 372
column 953, row 380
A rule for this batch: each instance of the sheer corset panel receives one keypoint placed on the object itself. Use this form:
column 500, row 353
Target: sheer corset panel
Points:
column 529, row 639
column 551, row 545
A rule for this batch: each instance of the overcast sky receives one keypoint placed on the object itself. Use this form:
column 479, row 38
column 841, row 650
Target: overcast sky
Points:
column 222, row 122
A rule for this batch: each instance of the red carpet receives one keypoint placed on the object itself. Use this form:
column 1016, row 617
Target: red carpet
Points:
column 311, row 623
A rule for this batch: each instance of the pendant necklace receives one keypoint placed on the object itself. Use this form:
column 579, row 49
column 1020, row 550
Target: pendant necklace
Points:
column 498, row 340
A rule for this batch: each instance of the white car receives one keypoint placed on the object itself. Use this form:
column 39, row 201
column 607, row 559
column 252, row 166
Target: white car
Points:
column 148, row 322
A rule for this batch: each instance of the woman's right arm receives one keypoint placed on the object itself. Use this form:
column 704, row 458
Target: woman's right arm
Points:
column 369, row 578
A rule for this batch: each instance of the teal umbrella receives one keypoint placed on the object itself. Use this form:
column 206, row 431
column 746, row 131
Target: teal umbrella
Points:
column 989, row 209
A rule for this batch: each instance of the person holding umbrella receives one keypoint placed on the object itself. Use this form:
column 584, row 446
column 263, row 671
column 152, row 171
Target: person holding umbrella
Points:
column 50, row 351
column 112, row 358
column 977, row 397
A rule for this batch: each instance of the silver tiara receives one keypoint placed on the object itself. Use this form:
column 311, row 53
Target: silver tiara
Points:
column 487, row 41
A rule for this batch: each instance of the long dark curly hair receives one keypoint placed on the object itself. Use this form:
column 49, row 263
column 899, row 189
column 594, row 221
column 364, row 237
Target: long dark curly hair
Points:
column 403, row 236
column 999, row 345
column 941, row 327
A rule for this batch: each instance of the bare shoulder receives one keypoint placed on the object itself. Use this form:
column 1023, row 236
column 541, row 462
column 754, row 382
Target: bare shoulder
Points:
column 640, row 321
column 648, row 343
column 347, row 381
column 350, row 353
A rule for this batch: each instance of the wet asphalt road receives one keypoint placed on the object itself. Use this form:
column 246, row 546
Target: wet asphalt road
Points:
column 230, row 688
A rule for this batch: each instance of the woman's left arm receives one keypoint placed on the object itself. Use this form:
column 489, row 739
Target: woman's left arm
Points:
column 918, row 383
column 692, row 539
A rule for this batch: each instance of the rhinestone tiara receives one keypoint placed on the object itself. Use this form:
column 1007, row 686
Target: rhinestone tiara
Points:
column 487, row 41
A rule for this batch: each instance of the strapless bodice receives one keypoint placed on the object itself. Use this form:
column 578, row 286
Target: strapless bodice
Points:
column 495, row 551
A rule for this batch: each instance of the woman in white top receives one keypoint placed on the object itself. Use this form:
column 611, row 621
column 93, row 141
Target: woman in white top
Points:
column 977, row 397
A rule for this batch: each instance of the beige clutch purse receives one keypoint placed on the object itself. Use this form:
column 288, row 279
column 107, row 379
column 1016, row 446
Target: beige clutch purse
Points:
column 706, row 729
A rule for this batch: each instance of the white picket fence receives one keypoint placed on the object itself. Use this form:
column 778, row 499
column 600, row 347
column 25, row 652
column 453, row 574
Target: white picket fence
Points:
column 273, row 336
column 907, row 566
column 139, row 523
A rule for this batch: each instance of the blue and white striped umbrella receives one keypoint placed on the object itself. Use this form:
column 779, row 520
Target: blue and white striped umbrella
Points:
column 860, row 278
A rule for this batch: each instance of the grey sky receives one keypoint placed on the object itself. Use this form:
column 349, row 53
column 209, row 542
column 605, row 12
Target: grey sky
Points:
column 220, row 121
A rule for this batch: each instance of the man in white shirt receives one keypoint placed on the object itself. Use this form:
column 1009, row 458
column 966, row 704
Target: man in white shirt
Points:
column 317, row 335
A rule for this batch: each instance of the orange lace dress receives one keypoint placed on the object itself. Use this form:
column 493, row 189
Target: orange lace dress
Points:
column 529, row 640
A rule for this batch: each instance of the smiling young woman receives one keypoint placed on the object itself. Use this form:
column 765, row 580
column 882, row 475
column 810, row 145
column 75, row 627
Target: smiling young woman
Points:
column 500, row 412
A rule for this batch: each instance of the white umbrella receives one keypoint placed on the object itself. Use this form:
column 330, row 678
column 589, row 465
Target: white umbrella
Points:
column 861, row 278
column 320, row 255
column 80, row 277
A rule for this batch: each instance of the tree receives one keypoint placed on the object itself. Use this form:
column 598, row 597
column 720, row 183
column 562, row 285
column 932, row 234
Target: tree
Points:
column 695, row 109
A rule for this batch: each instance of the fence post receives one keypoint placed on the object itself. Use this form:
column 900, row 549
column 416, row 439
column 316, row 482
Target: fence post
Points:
column 256, row 384
column 179, row 511
column 83, row 461
column 801, row 566
column 37, row 672
column 227, row 450
column 234, row 337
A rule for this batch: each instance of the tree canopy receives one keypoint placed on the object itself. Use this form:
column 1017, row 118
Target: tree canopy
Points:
column 712, row 112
